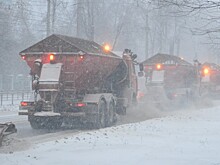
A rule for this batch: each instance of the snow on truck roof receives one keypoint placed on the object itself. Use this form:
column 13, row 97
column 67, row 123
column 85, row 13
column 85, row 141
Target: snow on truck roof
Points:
column 65, row 44
column 165, row 59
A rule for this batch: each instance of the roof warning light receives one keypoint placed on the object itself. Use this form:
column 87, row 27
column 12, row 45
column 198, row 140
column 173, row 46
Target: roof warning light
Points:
column 106, row 48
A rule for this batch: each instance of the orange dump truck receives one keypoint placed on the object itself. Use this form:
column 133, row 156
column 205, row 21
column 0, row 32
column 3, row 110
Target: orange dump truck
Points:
column 77, row 80
column 169, row 77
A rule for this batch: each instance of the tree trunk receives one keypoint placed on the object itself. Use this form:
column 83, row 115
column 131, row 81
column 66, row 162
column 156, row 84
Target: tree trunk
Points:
column 79, row 19
column 54, row 5
column 91, row 20
column 146, row 36
column 48, row 17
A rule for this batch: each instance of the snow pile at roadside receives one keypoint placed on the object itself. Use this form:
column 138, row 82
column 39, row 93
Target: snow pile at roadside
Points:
column 189, row 137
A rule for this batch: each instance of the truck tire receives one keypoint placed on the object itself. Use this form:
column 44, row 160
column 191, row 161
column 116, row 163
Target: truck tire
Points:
column 111, row 119
column 101, row 115
column 53, row 124
column 36, row 123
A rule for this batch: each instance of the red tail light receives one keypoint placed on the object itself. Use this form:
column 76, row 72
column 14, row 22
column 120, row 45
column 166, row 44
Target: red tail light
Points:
column 23, row 103
column 80, row 104
column 27, row 103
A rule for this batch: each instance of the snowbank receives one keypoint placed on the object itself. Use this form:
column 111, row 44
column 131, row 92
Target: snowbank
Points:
column 190, row 137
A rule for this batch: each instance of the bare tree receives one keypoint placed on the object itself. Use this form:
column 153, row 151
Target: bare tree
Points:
column 48, row 17
column 80, row 18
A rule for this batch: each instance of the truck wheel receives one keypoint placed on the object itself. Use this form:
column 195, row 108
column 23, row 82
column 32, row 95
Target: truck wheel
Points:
column 36, row 123
column 53, row 124
column 111, row 114
column 101, row 115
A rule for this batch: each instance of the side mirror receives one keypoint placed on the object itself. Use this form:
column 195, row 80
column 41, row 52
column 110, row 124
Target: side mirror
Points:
column 140, row 74
column 141, row 67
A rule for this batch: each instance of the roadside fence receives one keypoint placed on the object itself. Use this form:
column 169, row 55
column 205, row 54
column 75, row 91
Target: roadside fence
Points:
column 14, row 97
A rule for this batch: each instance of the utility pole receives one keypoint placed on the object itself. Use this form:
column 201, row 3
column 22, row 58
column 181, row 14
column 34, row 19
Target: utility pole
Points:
column 48, row 17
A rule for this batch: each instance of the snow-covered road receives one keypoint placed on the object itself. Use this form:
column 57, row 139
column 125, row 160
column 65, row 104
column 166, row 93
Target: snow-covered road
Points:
column 184, row 137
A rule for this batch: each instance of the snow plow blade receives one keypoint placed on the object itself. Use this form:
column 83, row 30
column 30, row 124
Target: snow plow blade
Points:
column 6, row 129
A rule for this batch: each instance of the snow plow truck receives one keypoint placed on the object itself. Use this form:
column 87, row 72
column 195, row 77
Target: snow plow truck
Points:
column 210, row 79
column 170, row 80
column 76, row 80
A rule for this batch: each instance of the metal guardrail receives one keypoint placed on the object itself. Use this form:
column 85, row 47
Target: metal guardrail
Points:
column 14, row 97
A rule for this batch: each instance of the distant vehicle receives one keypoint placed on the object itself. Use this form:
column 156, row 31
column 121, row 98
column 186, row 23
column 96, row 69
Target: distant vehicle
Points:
column 170, row 77
column 78, row 80
column 210, row 79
